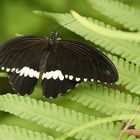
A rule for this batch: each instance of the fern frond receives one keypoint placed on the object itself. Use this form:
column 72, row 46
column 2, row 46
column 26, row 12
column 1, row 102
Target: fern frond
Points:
column 129, row 74
column 55, row 117
column 43, row 113
column 114, row 34
column 17, row 133
column 107, row 129
column 103, row 99
column 128, row 16
column 119, row 47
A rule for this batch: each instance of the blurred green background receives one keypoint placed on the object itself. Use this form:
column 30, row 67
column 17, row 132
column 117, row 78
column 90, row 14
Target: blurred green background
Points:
column 16, row 16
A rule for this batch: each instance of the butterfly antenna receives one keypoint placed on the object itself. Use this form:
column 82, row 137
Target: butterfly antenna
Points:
column 61, row 26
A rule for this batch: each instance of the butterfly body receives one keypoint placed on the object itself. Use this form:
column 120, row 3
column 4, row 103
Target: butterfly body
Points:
column 59, row 64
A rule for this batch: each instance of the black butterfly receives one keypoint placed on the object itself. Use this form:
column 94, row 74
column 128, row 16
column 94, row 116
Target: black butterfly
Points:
column 60, row 64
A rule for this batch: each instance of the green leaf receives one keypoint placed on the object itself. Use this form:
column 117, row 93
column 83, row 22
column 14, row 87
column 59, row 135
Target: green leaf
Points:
column 128, row 16
column 129, row 74
column 102, row 99
column 59, row 118
column 17, row 133
column 105, row 127
column 43, row 113
column 114, row 34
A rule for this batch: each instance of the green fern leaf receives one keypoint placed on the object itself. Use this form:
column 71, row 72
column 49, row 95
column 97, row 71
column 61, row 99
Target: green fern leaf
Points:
column 48, row 115
column 103, row 99
column 128, row 16
column 129, row 74
column 120, row 47
column 103, row 135
column 114, row 34
column 17, row 133
column 55, row 117
column 44, row 113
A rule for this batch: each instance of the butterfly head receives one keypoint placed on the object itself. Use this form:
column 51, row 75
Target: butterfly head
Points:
column 53, row 38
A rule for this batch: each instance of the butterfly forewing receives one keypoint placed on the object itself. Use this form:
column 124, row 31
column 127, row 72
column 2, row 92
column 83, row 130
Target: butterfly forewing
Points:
column 22, row 51
column 21, row 58
column 84, row 63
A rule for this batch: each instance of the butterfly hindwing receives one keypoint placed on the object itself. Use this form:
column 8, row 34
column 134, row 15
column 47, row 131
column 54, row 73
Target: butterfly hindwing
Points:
column 52, row 88
column 22, row 85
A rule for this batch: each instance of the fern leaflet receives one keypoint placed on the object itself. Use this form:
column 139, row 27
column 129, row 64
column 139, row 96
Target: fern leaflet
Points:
column 103, row 99
column 129, row 74
column 120, row 12
column 17, row 133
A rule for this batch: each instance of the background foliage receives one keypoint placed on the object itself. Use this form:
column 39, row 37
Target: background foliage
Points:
column 92, row 110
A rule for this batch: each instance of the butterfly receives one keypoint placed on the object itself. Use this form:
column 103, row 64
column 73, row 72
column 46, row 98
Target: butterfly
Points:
column 59, row 64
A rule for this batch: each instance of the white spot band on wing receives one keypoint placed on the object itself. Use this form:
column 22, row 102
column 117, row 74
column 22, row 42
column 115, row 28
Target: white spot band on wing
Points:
column 53, row 74
column 57, row 74
column 26, row 71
